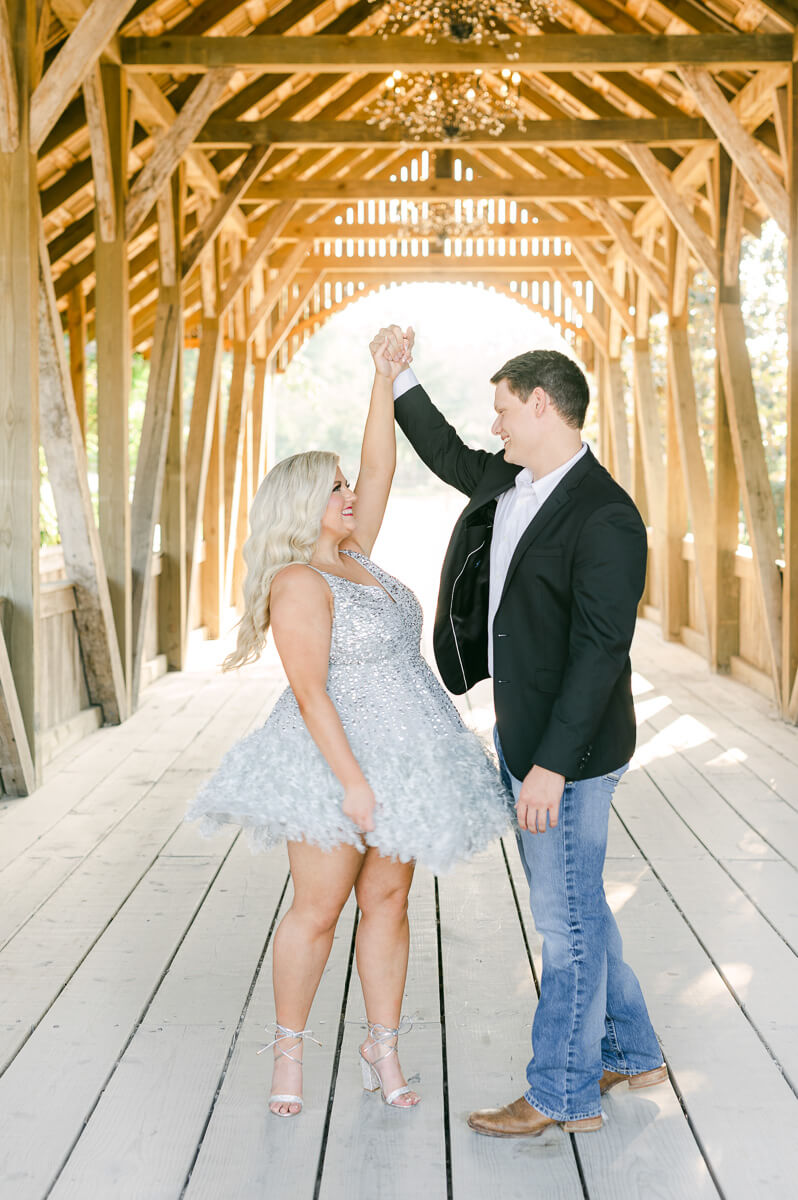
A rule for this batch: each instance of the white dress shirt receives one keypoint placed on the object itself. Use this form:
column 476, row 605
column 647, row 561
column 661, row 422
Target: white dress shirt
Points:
column 514, row 511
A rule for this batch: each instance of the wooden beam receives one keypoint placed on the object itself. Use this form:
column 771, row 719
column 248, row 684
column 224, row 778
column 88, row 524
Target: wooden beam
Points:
column 790, row 585
column 661, row 184
column 172, row 145
column 275, row 223
column 592, row 326
column 211, row 609
column 781, row 121
column 619, row 424
column 204, row 237
column 72, row 64
column 168, row 240
column 76, row 327
column 752, row 105
column 100, row 153
column 662, row 131
column 296, row 305
column 601, row 280
column 259, row 423
column 347, row 191
column 633, row 250
column 741, row 146
column 17, row 770
column 549, row 52
column 150, row 467
column 233, row 461
column 200, row 440
column 650, row 436
column 328, row 228
column 67, row 471
column 112, row 333
column 685, row 431
column 9, row 105
column 19, row 413
column 276, row 285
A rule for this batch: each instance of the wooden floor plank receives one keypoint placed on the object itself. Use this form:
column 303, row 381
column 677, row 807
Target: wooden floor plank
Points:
column 370, row 1145
column 153, row 1109
column 733, row 1091
column 246, row 1150
column 51, row 1086
column 490, row 1001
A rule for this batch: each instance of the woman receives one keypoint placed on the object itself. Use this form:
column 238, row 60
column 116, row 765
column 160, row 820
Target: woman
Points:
column 364, row 765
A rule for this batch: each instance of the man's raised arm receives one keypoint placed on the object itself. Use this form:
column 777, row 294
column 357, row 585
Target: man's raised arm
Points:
column 434, row 440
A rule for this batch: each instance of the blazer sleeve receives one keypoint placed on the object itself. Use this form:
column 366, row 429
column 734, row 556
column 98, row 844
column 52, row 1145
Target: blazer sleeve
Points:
column 608, row 579
column 438, row 444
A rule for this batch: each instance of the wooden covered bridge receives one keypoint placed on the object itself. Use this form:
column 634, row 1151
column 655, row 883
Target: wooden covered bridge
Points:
column 223, row 176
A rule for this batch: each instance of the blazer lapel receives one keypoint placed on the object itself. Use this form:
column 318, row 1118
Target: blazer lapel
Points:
column 558, row 498
column 502, row 480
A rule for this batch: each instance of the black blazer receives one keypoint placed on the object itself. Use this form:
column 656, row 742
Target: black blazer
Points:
column 564, row 625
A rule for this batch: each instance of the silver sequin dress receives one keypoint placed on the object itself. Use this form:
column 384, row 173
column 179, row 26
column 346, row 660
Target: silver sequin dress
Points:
column 438, row 794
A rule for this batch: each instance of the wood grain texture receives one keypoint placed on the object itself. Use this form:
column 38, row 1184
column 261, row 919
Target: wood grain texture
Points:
column 552, row 52
column 101, row 160
column 19, row 452
column 172, row 145
column 740, row 144
column 9, row 101
column 71, row 65
column 664, row 188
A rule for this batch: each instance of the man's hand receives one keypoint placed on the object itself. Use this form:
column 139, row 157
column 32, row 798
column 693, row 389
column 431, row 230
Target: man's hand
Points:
column 392, row 350
column 538, row 799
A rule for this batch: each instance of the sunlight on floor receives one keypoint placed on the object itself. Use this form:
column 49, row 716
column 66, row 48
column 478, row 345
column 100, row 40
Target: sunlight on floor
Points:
column 685, row 733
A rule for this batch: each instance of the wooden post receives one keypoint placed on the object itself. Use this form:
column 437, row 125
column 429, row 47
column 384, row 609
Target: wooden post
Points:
column 725, row 638
column 76, row 325
column 172, row 589
column 682, row 403
column 749, row 457
column 112, row 330
column 212, row 576
column 672, row 588
column 790, row 585
column 233, row 459
column 19, row 445
column 259, row 422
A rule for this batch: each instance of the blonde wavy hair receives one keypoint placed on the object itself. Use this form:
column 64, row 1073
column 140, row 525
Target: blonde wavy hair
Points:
column 285, row 524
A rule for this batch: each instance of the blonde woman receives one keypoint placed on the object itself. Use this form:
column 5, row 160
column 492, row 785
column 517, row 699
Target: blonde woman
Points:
column 364, row 766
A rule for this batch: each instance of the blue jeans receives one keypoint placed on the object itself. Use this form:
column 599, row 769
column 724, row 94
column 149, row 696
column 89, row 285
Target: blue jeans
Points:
column 591, row 1014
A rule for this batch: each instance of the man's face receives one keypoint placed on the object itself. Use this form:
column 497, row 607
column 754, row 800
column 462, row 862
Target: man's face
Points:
column 516, row 423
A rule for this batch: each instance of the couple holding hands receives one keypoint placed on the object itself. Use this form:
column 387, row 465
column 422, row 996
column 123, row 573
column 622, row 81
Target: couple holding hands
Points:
column 364, row 766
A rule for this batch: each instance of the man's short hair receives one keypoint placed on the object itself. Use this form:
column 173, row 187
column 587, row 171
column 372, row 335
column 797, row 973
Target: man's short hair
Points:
column 558, row 375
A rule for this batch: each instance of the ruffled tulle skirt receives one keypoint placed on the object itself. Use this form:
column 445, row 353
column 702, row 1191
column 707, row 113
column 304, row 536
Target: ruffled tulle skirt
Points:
column 439, row 796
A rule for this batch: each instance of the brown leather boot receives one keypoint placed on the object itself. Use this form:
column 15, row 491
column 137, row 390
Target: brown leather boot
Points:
column 643, row 1080
column 520, row 1119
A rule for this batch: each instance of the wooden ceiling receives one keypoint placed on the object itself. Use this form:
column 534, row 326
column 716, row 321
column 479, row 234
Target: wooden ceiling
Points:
column 270, row 99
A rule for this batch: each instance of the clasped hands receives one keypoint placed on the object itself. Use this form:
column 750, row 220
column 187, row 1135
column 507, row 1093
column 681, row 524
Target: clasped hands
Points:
column 392, row 350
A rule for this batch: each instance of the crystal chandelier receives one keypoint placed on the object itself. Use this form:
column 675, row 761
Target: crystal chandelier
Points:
column 444, row 106
column 441, row 221
column 464, row 20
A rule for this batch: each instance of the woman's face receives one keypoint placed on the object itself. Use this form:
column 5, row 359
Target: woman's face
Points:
column 339, row 517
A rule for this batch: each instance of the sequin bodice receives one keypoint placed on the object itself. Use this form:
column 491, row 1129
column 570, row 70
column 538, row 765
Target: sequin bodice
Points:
column 372, row 622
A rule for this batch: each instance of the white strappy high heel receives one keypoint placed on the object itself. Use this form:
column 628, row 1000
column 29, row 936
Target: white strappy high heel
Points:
column 280, row 1034
column 372, row 1081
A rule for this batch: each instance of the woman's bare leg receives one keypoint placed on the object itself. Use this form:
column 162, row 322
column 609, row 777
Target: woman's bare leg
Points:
column 383, row 940
column 322, row 883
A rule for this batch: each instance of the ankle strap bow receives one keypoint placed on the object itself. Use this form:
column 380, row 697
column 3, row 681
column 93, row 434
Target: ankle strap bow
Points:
column 282, row 1032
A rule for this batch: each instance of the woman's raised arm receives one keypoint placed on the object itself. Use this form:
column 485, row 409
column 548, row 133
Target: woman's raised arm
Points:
column 378, row 455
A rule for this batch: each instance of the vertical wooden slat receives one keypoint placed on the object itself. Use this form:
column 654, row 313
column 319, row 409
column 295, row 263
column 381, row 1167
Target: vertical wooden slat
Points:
column 19, row 414
column 259, row 422
column 725, row 639
column 233, row 458
column 80, row 541
column 112, row 326
column 684, row 410
column 212, row 575
column 76, row 325
column 790, row 609
column 617, row 416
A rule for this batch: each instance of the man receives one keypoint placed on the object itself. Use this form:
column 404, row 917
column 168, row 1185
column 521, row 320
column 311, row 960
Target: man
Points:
column 540, row 588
